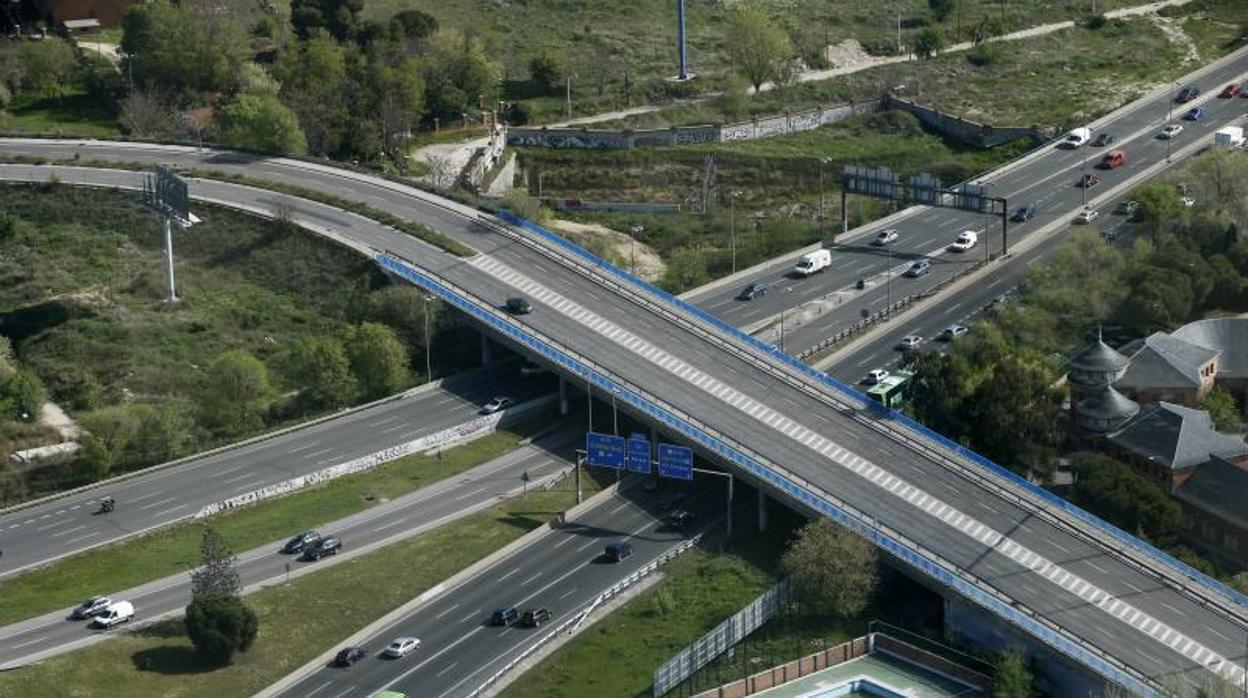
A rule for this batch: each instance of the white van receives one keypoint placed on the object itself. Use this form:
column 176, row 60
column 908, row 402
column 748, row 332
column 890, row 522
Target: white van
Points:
column 812, row 262
column 119, row 612
column 966, row 240
column 1076, row 137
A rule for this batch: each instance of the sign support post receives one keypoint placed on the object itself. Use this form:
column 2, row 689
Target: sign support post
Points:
column 165, row 193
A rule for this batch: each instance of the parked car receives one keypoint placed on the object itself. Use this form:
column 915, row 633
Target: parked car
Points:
column 1087, row 216
column 496, row 404
column 117, row 612
column 875, row 376
column 910, row 343
column 1089, row 180
column 1170, row 131
column 1024, row 213
column 1104, row 139
column 618, row 551
column 519, row 306
column 300, row 542
column 1127, row 208
column 91, row 608
column 1194, row 114
column 401, row 647
column 349, row 656
column 534, row 617
column 885, row 236
column 1187, row 94
column 680, row 520
column 918, row 269
column 504, row 616
column 329, row 545
column 952, row 332
column 754, row 290
column 1232, row 90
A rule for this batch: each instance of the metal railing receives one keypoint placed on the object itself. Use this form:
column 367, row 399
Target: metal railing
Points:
column 572, row 623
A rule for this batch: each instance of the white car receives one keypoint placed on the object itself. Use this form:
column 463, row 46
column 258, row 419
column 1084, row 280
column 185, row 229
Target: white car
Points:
column 952, row 332
column 1171, row 131
column 495, row 405
column 910, row 342
column 884, row 237
column 966, row 240
column 876, row 376
column 401, row 647
column 1087, row 216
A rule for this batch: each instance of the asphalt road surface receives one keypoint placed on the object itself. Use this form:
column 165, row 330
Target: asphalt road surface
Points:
column 40, row 534
column 563, row 571
column 406, row 516
column 1049, row 182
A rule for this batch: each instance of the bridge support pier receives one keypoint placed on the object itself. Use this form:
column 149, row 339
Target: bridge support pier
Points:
column 762, row 510
column 485, row 349
column 563, row 397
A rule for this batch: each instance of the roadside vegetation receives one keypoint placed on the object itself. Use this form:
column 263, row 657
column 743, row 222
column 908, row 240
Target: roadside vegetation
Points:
column 713, row 581
column 995, row 389
column 297, row 621
column 274, row 326
column 176, row 548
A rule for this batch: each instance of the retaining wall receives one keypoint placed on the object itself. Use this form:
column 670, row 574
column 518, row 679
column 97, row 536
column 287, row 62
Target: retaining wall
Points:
column 962, row 130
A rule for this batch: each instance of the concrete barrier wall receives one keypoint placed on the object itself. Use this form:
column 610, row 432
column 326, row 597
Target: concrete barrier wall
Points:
column 961, row 130
column 791, row 671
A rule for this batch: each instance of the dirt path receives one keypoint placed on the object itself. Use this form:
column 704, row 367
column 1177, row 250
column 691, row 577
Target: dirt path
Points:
column 648, row 264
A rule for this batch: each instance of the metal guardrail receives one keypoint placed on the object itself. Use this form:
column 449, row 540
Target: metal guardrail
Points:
column 571, row 624
column 883, row 536
column 1031, row 494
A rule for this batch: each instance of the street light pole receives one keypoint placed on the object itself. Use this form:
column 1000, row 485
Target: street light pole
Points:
column 822, row 162
column 428, row 344
column 888, row 280
column 637, row 230
column 732, row 225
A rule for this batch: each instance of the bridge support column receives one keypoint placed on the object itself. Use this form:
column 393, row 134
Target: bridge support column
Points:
column 563, row 397
column 485, row 349
column 762, row 510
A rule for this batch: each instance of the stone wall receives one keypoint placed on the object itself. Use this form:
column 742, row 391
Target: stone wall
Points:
column 961, row 130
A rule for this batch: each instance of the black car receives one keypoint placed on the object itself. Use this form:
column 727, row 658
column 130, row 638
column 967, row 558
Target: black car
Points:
column 300, row 542
column 754, row 290
column 350, row 656
column 1187, row 94
column 321, row 548
column 680, row 520
column 519, row 306
column 504, row 616
column 618, row 551
column 1103, row 139
column 1024, row 213
column 534, row 617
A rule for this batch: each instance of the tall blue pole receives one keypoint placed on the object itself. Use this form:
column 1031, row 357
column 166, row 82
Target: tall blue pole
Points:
column 680, row 38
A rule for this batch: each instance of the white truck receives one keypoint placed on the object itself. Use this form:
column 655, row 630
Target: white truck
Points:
column 1229, row 138
column 117, row 612
column 1076, row 137
column 812, row 262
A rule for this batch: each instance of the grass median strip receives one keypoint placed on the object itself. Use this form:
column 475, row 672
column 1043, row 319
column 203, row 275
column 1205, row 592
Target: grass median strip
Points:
column 298, row 621
column 175, row 549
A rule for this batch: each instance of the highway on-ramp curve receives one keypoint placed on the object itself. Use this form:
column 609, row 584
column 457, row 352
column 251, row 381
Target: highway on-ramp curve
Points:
column 39, row 534
column 548, row 456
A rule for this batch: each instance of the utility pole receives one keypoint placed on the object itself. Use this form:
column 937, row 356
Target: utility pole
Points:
column 899, row 29
column 569, row 96
column 823, row 161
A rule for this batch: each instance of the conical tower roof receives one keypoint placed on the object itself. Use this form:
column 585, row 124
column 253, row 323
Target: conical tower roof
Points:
column 1099, row 357
column 1108, row 404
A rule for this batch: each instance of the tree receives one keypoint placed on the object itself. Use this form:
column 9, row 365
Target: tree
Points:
column 261, row 122
column 1158, row 300
column 319, row 367
column 1012, row 678
column 834, row 570
column 756, row 45
column 1223, row 411
column 928, row 42
column 1013, row 417
column 1132, row 502
column 236, row 393
column 22, row 396
column 459, row 74
column 378, row 359
column 341, row 18
column 403, row 309
column 1159, row 206
column 183, row 50
column 547, row 70
column 415, row 25
column 110, row 432
column 47, row 65
column 216, row 575
column 145, row 115
column 400, row 94
column 941, row 8
column 220, row 625
column 315, row 85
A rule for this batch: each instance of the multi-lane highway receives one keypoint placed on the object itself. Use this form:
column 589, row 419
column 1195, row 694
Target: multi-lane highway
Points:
column 1091, row 588
column 1048, row 180
column 563, row 571
column 545, row 457
column 62, row 526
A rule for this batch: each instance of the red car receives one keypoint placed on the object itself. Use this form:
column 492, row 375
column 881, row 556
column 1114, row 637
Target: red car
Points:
column 1232, row 90
column 1089, row 181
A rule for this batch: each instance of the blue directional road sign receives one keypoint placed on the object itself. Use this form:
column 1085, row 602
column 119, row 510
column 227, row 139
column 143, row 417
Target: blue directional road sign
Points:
column 604, row 450
column 676, row 461
column 638, row 460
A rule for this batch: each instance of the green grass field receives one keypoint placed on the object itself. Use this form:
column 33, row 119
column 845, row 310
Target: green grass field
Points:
column 176, row 548
column 298, row 621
